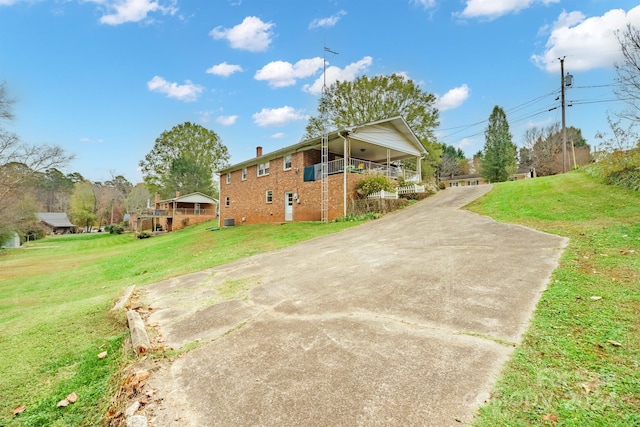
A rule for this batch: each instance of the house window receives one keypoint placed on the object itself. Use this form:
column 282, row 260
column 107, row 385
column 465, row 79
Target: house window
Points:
column 269, row 196
column 227, row 201
column 244, row 174
column 263, row 169
column 228, row 177
column 286, row 162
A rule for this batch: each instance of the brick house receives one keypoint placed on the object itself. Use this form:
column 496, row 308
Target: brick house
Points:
column 314, row 180
column 175, row 213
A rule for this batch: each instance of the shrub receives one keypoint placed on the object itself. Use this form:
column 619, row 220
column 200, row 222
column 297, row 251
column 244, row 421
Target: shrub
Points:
column 373, row 183
column 114, row 229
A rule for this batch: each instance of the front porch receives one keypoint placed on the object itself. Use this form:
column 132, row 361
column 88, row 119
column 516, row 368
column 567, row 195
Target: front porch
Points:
column 356, row 165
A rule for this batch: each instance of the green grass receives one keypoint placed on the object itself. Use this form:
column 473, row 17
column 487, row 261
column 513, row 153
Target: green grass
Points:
column 569, row 370
column 55, row 300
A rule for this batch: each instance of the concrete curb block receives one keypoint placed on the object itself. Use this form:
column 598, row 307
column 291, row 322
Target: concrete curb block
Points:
column 122, row 302
column 139, row 337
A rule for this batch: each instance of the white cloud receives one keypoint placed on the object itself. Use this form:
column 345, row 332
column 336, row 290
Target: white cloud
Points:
column 334, row 74
column 331, row 21
column 224, row 69
column 252, row 34
column 427, row 4
column 282, row 74
column 123, row 11
column 492, row 9
column 586, row 42
column 278, row 135
column 453, row 98
column 277, row 116
column 226, row 120
column 187, row 92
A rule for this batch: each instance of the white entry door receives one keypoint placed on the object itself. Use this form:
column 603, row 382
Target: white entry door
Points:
column 288, row 206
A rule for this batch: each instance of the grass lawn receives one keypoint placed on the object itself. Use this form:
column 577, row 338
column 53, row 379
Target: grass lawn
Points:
column 55, row 300
column 579, row 362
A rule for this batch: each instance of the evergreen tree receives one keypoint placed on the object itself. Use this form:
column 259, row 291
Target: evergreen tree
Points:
column 499, row 156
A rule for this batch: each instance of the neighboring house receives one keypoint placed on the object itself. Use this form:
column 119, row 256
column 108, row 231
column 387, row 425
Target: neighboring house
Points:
column 315, row 179
column 56, row 222
column 476, row 179
column 176, row 213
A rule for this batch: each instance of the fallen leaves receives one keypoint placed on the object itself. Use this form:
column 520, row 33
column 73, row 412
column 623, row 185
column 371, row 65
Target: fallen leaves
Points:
column 71, row 398
column 19, row 409
column 102, row 355
column 596, row 298
column 550, row 417
column 614, row 343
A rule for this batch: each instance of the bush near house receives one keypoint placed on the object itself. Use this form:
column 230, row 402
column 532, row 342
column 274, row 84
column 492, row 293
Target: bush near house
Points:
column 373, row 183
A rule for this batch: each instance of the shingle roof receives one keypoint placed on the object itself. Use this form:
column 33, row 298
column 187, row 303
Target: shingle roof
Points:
column 55, row 219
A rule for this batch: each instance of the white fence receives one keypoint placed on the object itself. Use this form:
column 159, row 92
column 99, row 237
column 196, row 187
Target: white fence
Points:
column 383, row 195
column 394, row 194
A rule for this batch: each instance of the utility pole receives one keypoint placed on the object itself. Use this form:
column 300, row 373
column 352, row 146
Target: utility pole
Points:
column 564, row 81
column 564, row 125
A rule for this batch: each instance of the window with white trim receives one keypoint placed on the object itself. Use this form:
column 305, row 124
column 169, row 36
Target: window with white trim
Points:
column 269, row 196
column 263, row 169
column 286, row 162
column 244, row 174
column 228, row 177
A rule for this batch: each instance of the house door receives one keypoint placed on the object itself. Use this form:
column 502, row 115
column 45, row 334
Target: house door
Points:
column 288, row 206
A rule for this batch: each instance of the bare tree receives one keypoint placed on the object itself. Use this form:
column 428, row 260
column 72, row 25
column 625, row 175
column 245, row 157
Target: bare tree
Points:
column 628, row 72
column 19, row 164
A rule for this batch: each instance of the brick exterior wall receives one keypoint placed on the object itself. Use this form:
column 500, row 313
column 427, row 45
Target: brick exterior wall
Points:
column 247, row 198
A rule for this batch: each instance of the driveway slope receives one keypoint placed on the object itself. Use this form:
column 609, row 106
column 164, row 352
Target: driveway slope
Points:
column 405, row 320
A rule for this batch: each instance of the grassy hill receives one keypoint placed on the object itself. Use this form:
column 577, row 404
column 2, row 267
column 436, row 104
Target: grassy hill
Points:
column 579, row 362
column 55, row 300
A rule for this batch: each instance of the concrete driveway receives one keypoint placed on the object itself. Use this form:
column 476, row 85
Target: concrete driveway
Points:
column 405, row 320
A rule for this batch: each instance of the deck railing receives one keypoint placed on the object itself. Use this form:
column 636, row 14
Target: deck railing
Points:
column 361, row 166
column 178, row 211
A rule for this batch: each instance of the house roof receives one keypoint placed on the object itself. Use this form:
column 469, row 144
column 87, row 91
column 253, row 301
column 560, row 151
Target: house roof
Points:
column 55, row 219
column 369, row 141
column 196, row 197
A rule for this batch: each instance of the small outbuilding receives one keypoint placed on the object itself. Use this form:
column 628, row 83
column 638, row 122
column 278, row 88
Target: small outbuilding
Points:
column 56, row 222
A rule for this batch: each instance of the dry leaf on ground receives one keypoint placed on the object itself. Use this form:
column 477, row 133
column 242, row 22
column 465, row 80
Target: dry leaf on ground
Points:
column 596, row 298
column 102, row 355
column 614, row 343
column 550, row 417
column 63, row 403
column 72, row 398
column 19, row 409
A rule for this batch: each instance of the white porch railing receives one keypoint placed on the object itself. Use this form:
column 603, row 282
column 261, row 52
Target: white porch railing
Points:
column 394, row 194
column 361, row 166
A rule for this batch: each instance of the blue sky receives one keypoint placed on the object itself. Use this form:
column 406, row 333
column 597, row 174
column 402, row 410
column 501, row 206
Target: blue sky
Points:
column 104, row 78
